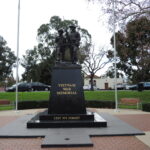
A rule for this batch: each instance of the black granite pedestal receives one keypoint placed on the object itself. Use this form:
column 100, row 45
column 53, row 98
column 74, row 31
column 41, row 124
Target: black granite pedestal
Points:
column 67, row 105
column 67, row 95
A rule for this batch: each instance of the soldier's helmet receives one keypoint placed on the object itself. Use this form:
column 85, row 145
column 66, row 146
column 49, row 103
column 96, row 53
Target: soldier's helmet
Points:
column 60, row 31
column 72, row 26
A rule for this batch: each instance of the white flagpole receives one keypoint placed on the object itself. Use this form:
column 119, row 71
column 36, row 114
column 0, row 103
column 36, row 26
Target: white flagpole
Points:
column 114, row 36
column 17, row 60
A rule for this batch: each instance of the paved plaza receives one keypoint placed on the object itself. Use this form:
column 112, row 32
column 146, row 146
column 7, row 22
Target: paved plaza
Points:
column 136, row 118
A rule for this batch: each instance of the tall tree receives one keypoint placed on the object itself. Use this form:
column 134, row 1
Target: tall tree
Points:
column 7, row 60
column 38, row 61
column 125, row 10
column 36, row 67
column 95, row 62
column 133, row 49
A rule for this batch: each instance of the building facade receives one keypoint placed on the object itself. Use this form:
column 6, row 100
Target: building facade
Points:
column 103, row 82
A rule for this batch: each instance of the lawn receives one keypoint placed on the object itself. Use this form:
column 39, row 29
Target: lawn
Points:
column 110, row 95
column 89, row 95
column 25, row 96
column 7, row 107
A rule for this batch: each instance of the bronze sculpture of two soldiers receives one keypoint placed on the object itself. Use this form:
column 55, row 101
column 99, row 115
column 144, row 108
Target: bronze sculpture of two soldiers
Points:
column 70, row 40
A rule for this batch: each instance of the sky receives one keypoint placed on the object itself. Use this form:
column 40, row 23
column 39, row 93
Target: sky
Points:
column 34, row 13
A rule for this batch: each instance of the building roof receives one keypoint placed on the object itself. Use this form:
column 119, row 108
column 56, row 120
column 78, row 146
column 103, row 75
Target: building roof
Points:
column 89, row 76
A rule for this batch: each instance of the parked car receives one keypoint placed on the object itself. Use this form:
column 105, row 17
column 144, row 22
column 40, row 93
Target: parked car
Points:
column 133, row 87
column 21, row 87
column 120, row 87
column 143, row 86
column 37, row 86
column 146, row 85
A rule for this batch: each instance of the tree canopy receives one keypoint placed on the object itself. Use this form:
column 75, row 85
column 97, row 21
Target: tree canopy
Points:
column 125, row 10
column 39, row 60
column 7, row 59
column 36, row 67
column 133, row 49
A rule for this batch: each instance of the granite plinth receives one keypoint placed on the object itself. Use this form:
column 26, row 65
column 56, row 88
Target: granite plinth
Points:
column 45, row 120
column 66, row 105
column 67, row 96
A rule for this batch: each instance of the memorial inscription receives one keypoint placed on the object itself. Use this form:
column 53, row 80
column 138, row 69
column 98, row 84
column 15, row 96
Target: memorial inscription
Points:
column 67, row 118
column 66, row 89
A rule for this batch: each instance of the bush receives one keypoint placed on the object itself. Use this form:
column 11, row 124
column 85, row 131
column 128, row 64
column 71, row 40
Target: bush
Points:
column 146, row 107
column 32, row 104
column 100, row 104
column 44, row 104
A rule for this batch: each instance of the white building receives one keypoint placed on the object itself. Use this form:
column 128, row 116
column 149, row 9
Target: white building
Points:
column 103, row 82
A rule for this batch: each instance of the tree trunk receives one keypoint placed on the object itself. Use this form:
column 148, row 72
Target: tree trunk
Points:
column 92, row 76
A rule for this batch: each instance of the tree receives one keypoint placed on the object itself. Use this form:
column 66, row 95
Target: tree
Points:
column 125, row 10
column 9, row 81
column 7, row 60
column 111, row 72
column 37, row 68
column 133, row 50
column 39, row 61
column 95, row 62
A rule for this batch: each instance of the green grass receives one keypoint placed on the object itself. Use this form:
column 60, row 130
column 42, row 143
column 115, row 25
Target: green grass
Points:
column 25, row 96
column 128, row 106
column 89, row 95
column 7, row 107
column 110, row 95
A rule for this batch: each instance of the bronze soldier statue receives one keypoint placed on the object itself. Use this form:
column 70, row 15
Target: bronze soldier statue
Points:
column 73, row 42
column 60, row 47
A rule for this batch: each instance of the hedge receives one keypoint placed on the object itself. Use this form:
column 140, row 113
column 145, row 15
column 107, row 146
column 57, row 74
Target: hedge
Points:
column 44, row 104
column 100, row 104
column 32, row 104
column 146, row 107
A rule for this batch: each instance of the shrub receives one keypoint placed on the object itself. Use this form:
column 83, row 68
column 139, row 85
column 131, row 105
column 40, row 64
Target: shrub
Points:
column 100, row 104
column 146, row 107
column 44, row 104
column 32, row 104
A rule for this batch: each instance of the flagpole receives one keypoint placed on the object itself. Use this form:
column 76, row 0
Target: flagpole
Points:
column 17, row 60
column 114, row 37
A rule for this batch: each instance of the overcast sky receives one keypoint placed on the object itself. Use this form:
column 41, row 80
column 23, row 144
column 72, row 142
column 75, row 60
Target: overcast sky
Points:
column 33, row 13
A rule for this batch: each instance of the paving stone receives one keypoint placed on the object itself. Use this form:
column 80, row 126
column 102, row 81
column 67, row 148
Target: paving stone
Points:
column 140, row 121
